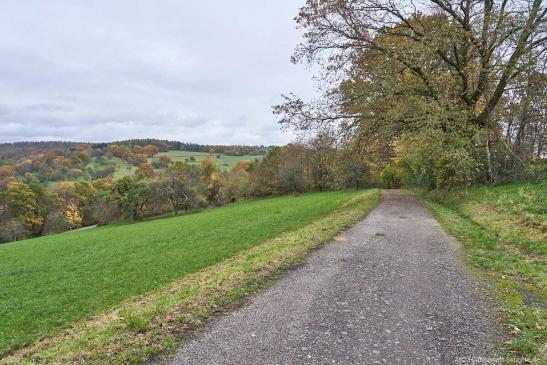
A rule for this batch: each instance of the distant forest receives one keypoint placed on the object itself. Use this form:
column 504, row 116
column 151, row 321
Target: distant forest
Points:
column 52, row 161
column 7, row 149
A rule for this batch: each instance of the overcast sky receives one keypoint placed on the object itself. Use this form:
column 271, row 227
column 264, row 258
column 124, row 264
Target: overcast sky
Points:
column 103, row 70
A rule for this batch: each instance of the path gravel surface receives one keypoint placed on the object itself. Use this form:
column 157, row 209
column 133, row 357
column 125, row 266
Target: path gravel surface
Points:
column 390, row 290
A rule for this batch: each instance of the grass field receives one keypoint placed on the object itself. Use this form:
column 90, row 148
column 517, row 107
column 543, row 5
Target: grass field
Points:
column 503, row 231
column 53, row 281
column 223, row 161
column 123, row 168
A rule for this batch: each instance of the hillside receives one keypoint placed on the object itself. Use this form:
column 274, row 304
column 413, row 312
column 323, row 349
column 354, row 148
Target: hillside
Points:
column 57, row 161
column 222, row 160
column 66, row 277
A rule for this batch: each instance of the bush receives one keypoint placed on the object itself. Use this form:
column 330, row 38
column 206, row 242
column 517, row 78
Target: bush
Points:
column 392, row 176
column 13, row 230
column 435, row 159
column 55, row 222
column 537, row 171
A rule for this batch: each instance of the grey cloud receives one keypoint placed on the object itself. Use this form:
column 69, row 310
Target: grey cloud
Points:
column 48, row 107
column 103, row 70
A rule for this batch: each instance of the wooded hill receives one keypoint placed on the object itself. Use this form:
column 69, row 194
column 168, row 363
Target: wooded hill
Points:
column 59, row 161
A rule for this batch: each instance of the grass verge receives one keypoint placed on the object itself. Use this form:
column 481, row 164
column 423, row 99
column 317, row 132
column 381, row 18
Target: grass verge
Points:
column 502, row 230
column 133, row 331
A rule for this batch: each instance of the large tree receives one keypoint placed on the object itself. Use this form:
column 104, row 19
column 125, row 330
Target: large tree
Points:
column 391, row 68
column 481, row 43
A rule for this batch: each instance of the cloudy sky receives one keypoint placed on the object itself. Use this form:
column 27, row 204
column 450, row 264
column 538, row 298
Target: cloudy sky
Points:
column 103, row 70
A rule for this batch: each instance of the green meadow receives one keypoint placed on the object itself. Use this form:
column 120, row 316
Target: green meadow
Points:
column 222, row 160
column 49, row 282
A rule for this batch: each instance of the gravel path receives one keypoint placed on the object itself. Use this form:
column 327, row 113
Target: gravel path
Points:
column 391, row 290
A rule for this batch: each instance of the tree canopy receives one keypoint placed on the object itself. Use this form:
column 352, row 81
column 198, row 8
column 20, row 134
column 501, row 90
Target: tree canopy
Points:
column 457, row 84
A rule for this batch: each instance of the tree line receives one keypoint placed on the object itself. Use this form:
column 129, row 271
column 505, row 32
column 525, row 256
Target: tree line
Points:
column 166, row 145
column 29, row 208
column 433, row 93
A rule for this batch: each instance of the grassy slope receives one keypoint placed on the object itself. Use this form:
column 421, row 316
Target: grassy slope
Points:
column 123, row 168
column 224, row 160
column 51, row 281
column 503, row 229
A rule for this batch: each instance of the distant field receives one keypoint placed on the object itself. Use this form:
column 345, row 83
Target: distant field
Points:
column 123, row 168
column 52, row 281
column 224, row 161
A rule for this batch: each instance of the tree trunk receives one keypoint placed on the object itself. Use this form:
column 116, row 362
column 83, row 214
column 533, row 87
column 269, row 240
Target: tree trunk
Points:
column 489, row 157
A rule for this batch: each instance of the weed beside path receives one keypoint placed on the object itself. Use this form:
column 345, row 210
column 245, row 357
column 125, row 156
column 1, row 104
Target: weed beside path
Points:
column 503, row 232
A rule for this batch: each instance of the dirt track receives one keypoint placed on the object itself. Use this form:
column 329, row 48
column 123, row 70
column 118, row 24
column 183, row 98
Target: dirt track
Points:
column 390, row 290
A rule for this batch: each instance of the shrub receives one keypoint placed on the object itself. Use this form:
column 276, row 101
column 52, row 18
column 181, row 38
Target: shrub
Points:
column 436, row 159
column 537, row 171
column 392, row 176
column 13, row 230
